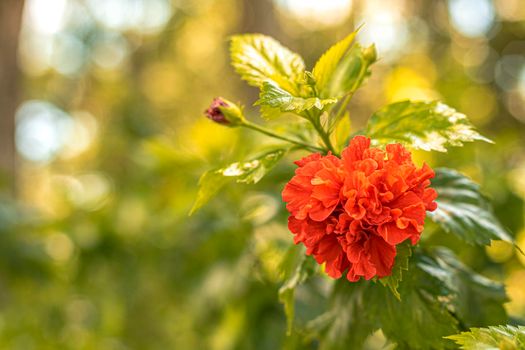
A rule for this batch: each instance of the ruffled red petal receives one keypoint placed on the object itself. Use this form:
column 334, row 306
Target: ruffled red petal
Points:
column 350, row 213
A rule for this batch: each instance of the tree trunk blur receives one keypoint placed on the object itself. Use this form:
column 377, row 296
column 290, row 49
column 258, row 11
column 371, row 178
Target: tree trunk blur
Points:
column 258, row 16
column 10, row 22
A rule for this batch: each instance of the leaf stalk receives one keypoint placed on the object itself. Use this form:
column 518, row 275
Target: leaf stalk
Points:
column 270, row 133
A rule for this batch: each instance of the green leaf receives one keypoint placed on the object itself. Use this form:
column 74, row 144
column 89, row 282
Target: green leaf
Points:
column 326, row 65
column 422, row 125
column 348, row 322
column 477, row 301
column 497, row 337
column 273, row 96
column 341, row 133
column 253, row 171
column 349, row 74
column 209, row 184
column 270, row 113
column 404, row 251
column 249, row 172
column 463, row 210
column 419, row 320
column 259, row 58
column 304, row 268
column 438, row 293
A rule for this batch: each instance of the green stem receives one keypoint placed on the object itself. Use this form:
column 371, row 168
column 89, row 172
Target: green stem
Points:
column 270, row 133
column 326, row 138
column 322, row 133
column 342, row 108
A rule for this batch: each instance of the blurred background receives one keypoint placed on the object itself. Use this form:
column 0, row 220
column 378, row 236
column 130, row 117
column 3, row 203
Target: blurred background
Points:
column 102, row 142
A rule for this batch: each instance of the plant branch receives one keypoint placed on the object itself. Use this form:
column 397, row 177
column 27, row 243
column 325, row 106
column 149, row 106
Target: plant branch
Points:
column 342, row 107
column 322, row 133
column 270, row 133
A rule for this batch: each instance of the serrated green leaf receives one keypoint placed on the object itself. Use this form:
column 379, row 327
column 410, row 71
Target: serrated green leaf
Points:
column 422, row 125
column 477, row 300
column 438, row 293
column 404, row 252
column 253, row 171
column 305, row 267
column 462, row 209
column 419, row 320
column 496, row 337
column 348, row 322
column 273, row 96
column 248, row 172
column 259, row 58
column 326, row 65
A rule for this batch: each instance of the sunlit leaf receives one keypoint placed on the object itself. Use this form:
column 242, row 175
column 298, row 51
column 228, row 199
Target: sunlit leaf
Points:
column 496, row 337
column 275, row 97
column 259, row 58
column 209, row 184
column 463, row 210
column 249, row 172
column 341, row 134
column 270, row 113
column 254, row 170
column 404, row 251
column 349, row 74
column 304, row 267
column 326, row 65
column 422, row 125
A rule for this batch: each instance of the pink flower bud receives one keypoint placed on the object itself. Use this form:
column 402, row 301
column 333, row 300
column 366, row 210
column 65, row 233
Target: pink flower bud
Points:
column 214, row 113
column 225, row 112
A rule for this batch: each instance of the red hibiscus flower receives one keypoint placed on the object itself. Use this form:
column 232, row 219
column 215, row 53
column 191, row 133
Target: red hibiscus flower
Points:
column 351, row 212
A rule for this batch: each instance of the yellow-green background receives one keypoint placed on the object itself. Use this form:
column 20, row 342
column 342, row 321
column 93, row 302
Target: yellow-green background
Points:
column 97, row 250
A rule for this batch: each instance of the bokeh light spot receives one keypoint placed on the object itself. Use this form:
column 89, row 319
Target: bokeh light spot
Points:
column 140, row 15
column 110, row 51
column 45, row 16
column 315, row 13
column 59, row 247
column 91, row 191
column 83, row 132
column 472, row 18
column 508, row 70
column 385, row 27
column 500, row 251
column 41, row 130
column 479, row 103
column 68, row 54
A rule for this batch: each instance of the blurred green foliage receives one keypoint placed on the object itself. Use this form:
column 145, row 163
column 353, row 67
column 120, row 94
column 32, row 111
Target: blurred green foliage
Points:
column 98, row 251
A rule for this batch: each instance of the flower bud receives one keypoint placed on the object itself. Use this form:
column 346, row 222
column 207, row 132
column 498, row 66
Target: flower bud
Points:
column 370, row 53
column 225, row 112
